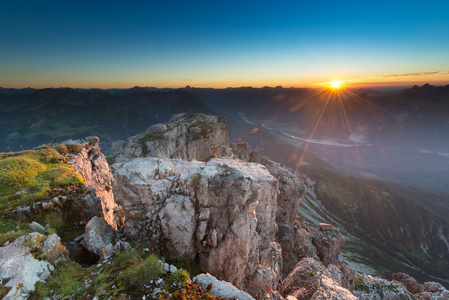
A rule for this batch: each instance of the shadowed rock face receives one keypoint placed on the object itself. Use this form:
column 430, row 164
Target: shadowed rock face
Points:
column 327, row 240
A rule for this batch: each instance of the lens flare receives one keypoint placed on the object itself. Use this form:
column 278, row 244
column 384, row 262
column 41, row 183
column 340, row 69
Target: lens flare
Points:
column 336, row 84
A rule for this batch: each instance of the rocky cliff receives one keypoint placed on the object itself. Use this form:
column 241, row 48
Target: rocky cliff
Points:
column 227, row 206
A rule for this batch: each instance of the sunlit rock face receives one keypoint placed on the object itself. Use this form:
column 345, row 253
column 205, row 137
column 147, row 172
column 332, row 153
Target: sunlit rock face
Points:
column 93, row 167
column 192, row 196
column 222, row 211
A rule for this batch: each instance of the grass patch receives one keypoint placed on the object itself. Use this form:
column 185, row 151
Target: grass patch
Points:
column 191, row 118
column 205, row 128
column 4, row 290
column 111, row 159
column 213, row 155
column 65, row 281
column 196, row 181
column 62, row 149
column 141, row 273
column 74, row 148
column 197, row 136
column 360, row 285
column 153, row 136
column 193, row 267
column 149, row 137
column 179, row 277
column 33, row 173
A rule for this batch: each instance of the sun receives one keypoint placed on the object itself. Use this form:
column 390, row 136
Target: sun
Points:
column 336, row 84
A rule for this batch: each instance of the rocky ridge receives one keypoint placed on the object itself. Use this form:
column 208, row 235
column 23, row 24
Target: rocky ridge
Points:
column 182, row 190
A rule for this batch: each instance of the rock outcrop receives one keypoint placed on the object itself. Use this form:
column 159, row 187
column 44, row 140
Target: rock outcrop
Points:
column 236, row 212
column 327, row 240
column 222, row 211
column 221, row 288
column 310, row 279
column 185, row 137
column 184, row 192
column 369, row 287
column 428, row 290
column 20, row 270
column 93, row 167
column 99, row 237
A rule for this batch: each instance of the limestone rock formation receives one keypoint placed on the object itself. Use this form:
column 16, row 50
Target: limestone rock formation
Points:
column 185, row 137
column 99, row 237
column 221, row 288
column 327, row 240
column 52, row 248
column 92, row 166
column 310, row 279
column 292, row 235
column 369, row 287
column 20, row 270
column 223, row 211
column 236, row 212
column 428, row 290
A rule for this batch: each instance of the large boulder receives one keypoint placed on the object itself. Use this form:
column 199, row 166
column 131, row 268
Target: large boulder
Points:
column 310, row 279
column 52, row 248
column 327, row 240
column 20, row 271
column 99, row 238
column 221, row 288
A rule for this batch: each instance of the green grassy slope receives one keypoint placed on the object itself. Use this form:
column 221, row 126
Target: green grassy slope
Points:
column 57, row 122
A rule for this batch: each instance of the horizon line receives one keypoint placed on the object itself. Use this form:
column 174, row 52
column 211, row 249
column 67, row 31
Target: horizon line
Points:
column 317, row 86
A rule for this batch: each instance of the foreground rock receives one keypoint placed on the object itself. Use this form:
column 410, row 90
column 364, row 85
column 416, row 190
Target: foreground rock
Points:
column 221, row 288
column 99, row 237
column 20, row 270
column 52, row 248
column 223, row 211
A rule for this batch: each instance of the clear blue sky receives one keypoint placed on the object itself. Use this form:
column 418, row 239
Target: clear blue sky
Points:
column 221, row 43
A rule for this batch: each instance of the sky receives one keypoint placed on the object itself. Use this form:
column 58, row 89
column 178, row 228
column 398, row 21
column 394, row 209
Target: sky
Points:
column 105, row 44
